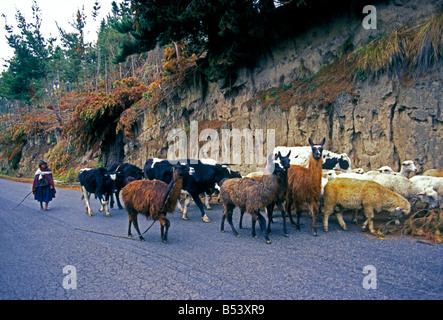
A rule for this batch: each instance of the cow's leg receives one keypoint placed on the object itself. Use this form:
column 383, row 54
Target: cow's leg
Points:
column 199, row 204
column 106, row 205
column 103, row 202
column 179, row 205
column 117, row 199
column 185, row 207
column 86, row 196
column 112, row 200
column 207, row 200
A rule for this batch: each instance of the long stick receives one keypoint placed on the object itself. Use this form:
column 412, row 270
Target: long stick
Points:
column 22, row 201
column 113, row 235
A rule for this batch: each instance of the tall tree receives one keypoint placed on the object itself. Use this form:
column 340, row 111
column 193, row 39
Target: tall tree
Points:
column 231, row 32
column 32, row 56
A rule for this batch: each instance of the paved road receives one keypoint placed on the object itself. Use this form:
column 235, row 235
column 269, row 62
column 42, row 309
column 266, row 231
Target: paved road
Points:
column 199, row 262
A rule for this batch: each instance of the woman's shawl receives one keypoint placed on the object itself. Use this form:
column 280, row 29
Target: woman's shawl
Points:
column 43, row 176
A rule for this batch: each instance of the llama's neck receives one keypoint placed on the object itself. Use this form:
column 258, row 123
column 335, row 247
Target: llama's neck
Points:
column 315, row 167
column 172, row 193
column 270, row 181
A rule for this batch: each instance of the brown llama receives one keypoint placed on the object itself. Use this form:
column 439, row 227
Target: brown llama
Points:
column 304, row 186
column 278, row 198
column 252, row 195
column 153, row 199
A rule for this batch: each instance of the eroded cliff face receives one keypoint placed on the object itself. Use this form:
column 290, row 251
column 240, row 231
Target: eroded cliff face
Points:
column 383, row 122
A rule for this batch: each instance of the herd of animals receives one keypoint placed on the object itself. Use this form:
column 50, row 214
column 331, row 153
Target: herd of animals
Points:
column 295, row 179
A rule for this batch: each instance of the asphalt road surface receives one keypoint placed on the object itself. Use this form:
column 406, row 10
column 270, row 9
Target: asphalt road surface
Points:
column 44, row 257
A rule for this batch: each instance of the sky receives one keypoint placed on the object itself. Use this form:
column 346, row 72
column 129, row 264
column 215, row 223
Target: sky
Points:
column 52, row 11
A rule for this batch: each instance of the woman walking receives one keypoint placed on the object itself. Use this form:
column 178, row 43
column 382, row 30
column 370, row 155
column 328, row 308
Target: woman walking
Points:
column 43, row 187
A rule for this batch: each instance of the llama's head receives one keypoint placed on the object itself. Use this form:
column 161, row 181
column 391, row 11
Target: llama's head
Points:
column 317, row 149
column 282, row 163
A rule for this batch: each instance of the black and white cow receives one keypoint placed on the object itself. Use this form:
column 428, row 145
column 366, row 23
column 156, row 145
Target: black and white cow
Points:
column 331, row 160
column 205, row 177
column 228, row 174
column 99, row 181
column 124, row 171
column 335, row 161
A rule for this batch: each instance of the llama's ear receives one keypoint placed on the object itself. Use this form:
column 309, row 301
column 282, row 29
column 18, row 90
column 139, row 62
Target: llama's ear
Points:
column 289, row 153
column 310, row 142
column 323, row 142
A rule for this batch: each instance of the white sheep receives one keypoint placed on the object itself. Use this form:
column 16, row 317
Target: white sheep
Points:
column 428, row 196
column 407, row 167
column 353, row 194
column 435, row 183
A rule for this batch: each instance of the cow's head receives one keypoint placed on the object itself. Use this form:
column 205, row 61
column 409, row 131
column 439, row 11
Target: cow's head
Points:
column 113, row 180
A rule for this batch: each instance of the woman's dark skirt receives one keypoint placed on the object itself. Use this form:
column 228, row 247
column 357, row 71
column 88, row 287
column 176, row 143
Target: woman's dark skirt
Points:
column 44, row 194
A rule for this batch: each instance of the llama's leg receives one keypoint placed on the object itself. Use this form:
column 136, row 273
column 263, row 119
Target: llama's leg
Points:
column 262, row 223
column 254, row 221
column 289, row 202
column 129, row 225
column 269, row 212
column 229, row 217
column 240, row 224
column 314, row 211
column 164, row 223
column 222, row 226
column 283, row 214
column 134, row 221
column 298, row 213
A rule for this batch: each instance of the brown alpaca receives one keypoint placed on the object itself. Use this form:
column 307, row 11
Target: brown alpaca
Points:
column 304, row 186
column 277, row 198
column 153, row 199
column 251, row 195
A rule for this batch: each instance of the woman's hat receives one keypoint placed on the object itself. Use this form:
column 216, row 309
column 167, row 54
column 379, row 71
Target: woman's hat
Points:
column 41, row 162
